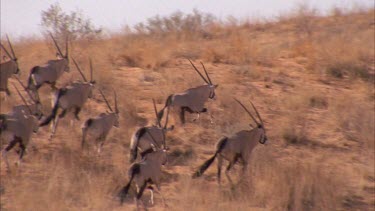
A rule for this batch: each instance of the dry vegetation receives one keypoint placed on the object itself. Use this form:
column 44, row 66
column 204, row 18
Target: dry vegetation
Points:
column 311, row 77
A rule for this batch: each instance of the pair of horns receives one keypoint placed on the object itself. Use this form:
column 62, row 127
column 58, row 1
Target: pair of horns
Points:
column 156, row 114
column 23, row 99
column 37, row 100
column 208, row 80
column 58, row 48
column 80, row 71
column 159, row 123
column 13, row 56
column 106, row 101
column 248, row 112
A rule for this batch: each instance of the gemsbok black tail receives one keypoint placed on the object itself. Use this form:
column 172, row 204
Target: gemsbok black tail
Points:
column 167, row 103
column 61, row 92
column 219, row 147
column 134, row 169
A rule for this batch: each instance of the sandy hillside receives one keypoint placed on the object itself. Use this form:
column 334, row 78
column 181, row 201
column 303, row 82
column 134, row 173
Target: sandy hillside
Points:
column 320, row 125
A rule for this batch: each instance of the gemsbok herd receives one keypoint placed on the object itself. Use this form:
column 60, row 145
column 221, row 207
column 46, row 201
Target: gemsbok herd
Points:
column 148, row 144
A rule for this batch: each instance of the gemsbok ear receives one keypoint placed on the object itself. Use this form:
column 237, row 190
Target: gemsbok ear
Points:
column 216, row 85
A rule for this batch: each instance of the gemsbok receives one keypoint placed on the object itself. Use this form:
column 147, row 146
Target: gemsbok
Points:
column 19, row 111
column 146, row 138
column 236, row 147
column 8, row 68
column 50, row 72
column 18, row 130
column 99, row 127
column 71, row 97
column 144, row 173
column 191, row 100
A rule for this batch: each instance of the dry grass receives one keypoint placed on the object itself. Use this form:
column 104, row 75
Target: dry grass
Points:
column 311, row 78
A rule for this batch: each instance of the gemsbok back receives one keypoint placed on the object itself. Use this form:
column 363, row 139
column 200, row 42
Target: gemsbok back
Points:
column 71, row 97
column 236, row 147
column 18, row 130
column 50, row 72
column 99, row 127
column 144, row 173
column 191, row 100
column 146, row 138
column 8, row 68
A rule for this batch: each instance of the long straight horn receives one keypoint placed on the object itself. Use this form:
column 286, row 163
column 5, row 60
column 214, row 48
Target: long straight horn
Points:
column 57, row 46
column 248, row 112
column 208, row 77
column 166, row 119
column 6, row 52
column 23, row 99
column 11, row 47
column 156, row 112
column 105, row 99
column 66, row 47
column 28, row 93
column 195, row 68
column 165, row 127
column 79, row 70
column 91, row 71
column 116, row 106
column 256, row 111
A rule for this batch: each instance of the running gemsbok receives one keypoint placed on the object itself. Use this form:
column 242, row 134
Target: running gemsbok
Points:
column 146, row 172
column 73, row 96
column 191, row 100
column 146, row 138
column 98, row 128
column 18, row 130
column 50, row 72
column 8, row 68
column 238, row 146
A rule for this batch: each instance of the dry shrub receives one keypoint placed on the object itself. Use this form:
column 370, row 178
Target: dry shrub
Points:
column 270, row 185
column 147, row 52
column 355, row 117
column 62, row 180
column 297, row 107
column 293, row 185
column 240, row 47
column 342, row 56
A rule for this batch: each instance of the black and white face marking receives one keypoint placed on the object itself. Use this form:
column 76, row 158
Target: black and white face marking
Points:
column 212, row 93
column 263, row 138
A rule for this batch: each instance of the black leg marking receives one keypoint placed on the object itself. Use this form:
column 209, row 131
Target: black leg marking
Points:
column 182, row 115
column 12, row 144
column 23, row 148
column 76, row 112
column 141, row 189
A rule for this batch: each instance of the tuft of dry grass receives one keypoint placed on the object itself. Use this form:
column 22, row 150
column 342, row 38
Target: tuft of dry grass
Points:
column 355, row 118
